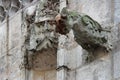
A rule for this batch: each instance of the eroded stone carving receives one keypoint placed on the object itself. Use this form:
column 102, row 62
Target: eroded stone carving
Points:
column 10, row 7
column 40, row 20
column 15, row 6
column 2, row 13
column 87, row 32
column 41, row 38
column 26, row 2
column 42, row 35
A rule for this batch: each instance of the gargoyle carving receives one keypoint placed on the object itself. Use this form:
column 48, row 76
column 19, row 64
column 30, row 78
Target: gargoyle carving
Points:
column 87, row 32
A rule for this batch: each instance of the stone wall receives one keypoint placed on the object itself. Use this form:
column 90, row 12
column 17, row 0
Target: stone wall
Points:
column 69, row 54
column 11, row 55
column 3, row 60
column 102, row 11
column 116, row 50
column 106, row 12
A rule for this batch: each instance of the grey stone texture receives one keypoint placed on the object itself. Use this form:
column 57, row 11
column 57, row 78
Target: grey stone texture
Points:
column 116, row 50
column 11, row 57
column 98, row 70
column 107, row 67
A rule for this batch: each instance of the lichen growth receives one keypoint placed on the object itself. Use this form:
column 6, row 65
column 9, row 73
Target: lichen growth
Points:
column 87, row 32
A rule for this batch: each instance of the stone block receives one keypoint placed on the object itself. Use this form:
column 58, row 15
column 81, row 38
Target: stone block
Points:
column 99, row 10
column 15, row 31
column 62, row 74
column 71, row 75
column 38, row 75
column 3, row 39
column 117, row 19
column 43, row 75
column 74, row 57
column 15, row 59
column 44, row 60
column 50, row 75
column 61, row 57
column 116, row 65
column 3, row 65
column 69, row 54
column 97, row 70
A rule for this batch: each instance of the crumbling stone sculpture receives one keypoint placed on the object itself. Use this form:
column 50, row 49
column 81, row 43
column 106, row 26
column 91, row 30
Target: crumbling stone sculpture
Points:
column 87, row 32
column 40, row 38
column 41, row 26
column 10, row 7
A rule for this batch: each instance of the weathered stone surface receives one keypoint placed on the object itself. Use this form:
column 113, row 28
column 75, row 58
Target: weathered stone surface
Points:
column 15, row 58
column 3, row 68
column 40, row 41
column 12, row 61
column 62, row 74
column 44, row 60
column 15, row 31
column 45, row 75
column 117, row 79
column 116, row 50
column 3, row 39
column 100, row 10
column 116, row 65
column 69, row 53
column 98, row 70
column 116, row 20
column 10, row 7
column 87, row 32
column 50, row 75
column 3, row 52
column 39, row 19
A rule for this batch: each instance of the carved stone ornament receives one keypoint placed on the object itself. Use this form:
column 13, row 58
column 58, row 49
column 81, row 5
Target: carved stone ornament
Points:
column 10, row 7
column 87, row 32
column 41, row 40
column 41, row 26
